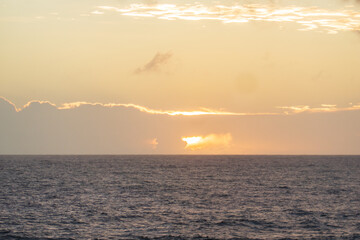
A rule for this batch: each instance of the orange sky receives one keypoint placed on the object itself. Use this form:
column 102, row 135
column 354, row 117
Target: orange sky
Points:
column 247, row 77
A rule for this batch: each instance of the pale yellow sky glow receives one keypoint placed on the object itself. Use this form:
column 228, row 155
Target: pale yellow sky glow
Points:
column 180, row 77
column 310, row 18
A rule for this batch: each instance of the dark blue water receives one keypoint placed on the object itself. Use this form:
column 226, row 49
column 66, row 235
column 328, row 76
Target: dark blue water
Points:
column 179, row 197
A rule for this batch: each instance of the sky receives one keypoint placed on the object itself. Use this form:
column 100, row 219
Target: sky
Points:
column 179, row 77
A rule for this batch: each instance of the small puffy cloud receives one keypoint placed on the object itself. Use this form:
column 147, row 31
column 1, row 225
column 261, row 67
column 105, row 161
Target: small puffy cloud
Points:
column 155, row 64
column 210, row 141
column 154, row 143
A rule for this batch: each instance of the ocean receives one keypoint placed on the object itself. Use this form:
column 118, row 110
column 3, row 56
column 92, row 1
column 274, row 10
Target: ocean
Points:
column 179, row 197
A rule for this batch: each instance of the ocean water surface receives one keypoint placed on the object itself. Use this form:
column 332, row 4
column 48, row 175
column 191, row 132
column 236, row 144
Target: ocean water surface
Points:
column 179, row 197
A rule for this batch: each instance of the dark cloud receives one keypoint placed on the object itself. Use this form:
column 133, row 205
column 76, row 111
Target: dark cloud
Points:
column 42, row 128
column 155, row 64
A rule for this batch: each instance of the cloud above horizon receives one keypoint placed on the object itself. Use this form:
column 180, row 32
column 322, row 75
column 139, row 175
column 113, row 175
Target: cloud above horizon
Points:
column 309, row 18
column 322, row 109
column 201, row 111
column 41, row 127
column 287, row 110
column 155, row 63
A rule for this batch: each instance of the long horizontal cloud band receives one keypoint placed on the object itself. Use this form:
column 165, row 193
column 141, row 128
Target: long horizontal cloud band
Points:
column 41, row 127
column 309, row 18
column 286, row 110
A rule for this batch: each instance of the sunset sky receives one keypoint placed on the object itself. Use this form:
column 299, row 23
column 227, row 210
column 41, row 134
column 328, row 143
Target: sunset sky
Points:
column 180, row 77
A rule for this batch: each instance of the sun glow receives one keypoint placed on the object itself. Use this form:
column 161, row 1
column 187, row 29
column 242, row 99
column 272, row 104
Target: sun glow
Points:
column 192, row 140
column 154, row 143
column 210, row 141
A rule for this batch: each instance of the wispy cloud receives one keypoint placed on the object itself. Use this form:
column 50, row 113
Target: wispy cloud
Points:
column 37, row 101
column 156, row 62
column 97, row 12
column 201, row 111
column 11, row 103
column 287, row 110
column 309, row 18
column 322, row 108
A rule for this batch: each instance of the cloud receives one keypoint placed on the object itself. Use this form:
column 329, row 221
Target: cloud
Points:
column 28, row 104
column 155, row 64
column 92, row 128
column 38, row 102
column 73, row 105
column 7, row 104
column 211, row 141
column 97, row 12
column 200, row 112
column 309, row 18
column 322, row 109
column 154, row 143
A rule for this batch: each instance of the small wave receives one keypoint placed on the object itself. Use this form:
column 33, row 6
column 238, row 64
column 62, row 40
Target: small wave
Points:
column 198, row 237
column 300, row 212
column 7, row 235
column 245, row 222
column 335, row 191
column 310, row 224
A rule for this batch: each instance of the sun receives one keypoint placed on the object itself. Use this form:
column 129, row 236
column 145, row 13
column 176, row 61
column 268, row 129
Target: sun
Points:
column 211, row 141
column 192, row 140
